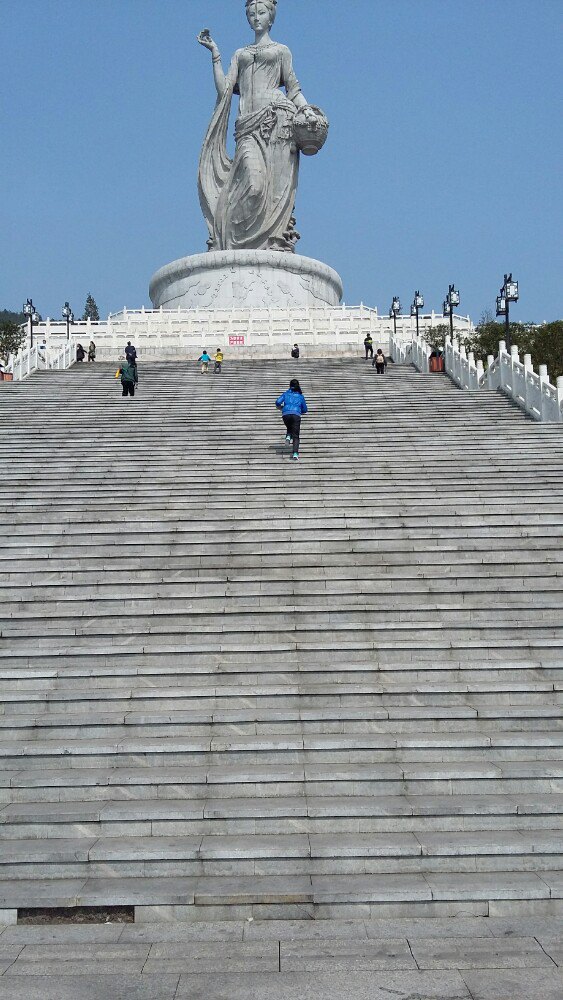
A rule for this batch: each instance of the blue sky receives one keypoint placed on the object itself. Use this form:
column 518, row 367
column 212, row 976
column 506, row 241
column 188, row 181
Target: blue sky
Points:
column 443, row 162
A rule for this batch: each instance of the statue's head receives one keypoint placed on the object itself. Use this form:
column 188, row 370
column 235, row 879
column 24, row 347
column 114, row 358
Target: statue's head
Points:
column 261, row 14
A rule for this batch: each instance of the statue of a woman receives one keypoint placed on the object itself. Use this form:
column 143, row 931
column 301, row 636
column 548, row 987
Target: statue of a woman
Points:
column 248, row 202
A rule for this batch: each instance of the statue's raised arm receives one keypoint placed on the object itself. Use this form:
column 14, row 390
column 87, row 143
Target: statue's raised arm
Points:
column 248, row 202
column 204, row 38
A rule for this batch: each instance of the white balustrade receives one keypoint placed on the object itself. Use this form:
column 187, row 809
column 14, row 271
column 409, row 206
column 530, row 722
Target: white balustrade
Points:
column 40, row 357
column 532, row 392
column 180, row 332
column 400, row 351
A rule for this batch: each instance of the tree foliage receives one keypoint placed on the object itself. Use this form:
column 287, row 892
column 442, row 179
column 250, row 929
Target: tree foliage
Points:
column 12, row 338
column 9, row 316
column 435, row 336
column 544, row 343
column 91, row 309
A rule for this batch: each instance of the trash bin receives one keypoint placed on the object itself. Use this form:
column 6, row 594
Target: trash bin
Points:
column 436, row 364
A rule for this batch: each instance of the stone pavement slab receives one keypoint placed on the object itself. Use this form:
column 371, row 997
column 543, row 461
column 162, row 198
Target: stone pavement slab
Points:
column 555, row 882
column 538, row 927
column 79, row 967
column 554, row 947
column 321, row 956
column 540, row 984
column 208, row 956
column 214, row 930
column 85, row 951
column 480, row 953
column 60, row 933
column 425, row 927
column 88, row 987
column 329, row 986
column 303, row 930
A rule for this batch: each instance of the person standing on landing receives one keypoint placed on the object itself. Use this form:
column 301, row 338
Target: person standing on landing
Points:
column 293, row 406
column 131, row 353
column 368, row 344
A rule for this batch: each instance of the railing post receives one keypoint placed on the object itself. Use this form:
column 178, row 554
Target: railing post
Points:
column 543, row 378
column 559, row 387
column 528, row 387
column 514, row 357
column 472, row 370
column 490, row 363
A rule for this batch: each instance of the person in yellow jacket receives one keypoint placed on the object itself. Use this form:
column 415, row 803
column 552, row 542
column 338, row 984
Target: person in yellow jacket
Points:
column 218, row 359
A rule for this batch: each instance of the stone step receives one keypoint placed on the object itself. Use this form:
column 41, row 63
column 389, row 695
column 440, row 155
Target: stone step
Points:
column 322, row 894
column 292, row 854
column 238, row 687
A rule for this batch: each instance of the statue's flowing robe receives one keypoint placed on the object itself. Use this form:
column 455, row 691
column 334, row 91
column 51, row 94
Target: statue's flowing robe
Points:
column 248, row 201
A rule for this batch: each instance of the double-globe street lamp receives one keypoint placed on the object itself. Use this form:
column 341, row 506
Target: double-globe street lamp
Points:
column 32, row 318
column 417, row 304
column 69, row 316
column 508, row 294
column 395, row 311
column 451, row 302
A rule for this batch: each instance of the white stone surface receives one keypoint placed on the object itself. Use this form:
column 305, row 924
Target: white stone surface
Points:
column 248, row 202
column 230, row 279
column 320, row 331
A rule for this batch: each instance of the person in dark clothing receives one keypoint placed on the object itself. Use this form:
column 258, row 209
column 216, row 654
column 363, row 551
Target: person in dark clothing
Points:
column 293, row 406
column 129, row 378
column 368, row 344
column 379, row 362
column 80, row 352
column 131, row 353
column 295, row 351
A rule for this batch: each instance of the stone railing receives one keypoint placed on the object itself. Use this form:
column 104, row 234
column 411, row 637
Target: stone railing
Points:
column 161, row 333
column 531, row 391
column 39, row 358
column 416, row 353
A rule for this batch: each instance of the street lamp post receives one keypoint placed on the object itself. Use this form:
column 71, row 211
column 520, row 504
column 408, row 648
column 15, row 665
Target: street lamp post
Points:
column 394, row 312
column 69, row 316
column 508, row 294
column 451, row 302
column 32, row 317
column 418, row 303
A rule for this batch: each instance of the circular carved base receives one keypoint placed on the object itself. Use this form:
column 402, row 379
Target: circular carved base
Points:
column 236, row 279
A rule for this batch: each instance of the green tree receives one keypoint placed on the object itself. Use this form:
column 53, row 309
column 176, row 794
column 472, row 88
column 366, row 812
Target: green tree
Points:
column 91, row 309
column 9, row 316
column 12, row 338
column 435, row 336
column 543, row 343
column 547, row 348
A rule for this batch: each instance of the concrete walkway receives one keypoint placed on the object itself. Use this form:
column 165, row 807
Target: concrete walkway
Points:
column 482, row 959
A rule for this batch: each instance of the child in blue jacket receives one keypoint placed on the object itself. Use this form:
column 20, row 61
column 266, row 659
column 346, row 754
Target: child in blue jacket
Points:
column 204, row 359
column 293, row 406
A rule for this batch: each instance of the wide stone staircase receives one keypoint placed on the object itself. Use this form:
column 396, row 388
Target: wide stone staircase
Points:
column 236, row 686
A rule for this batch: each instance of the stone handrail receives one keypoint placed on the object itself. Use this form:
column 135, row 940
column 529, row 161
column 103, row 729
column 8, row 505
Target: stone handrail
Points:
column 531, row 391
column 416, row 353
column 33, row 359
column 161, row 333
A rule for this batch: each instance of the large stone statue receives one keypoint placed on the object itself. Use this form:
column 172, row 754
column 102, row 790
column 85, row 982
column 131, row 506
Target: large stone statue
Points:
column 248, row 202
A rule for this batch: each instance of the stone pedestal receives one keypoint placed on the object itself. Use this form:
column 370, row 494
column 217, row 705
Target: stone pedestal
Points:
column 236, row 279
